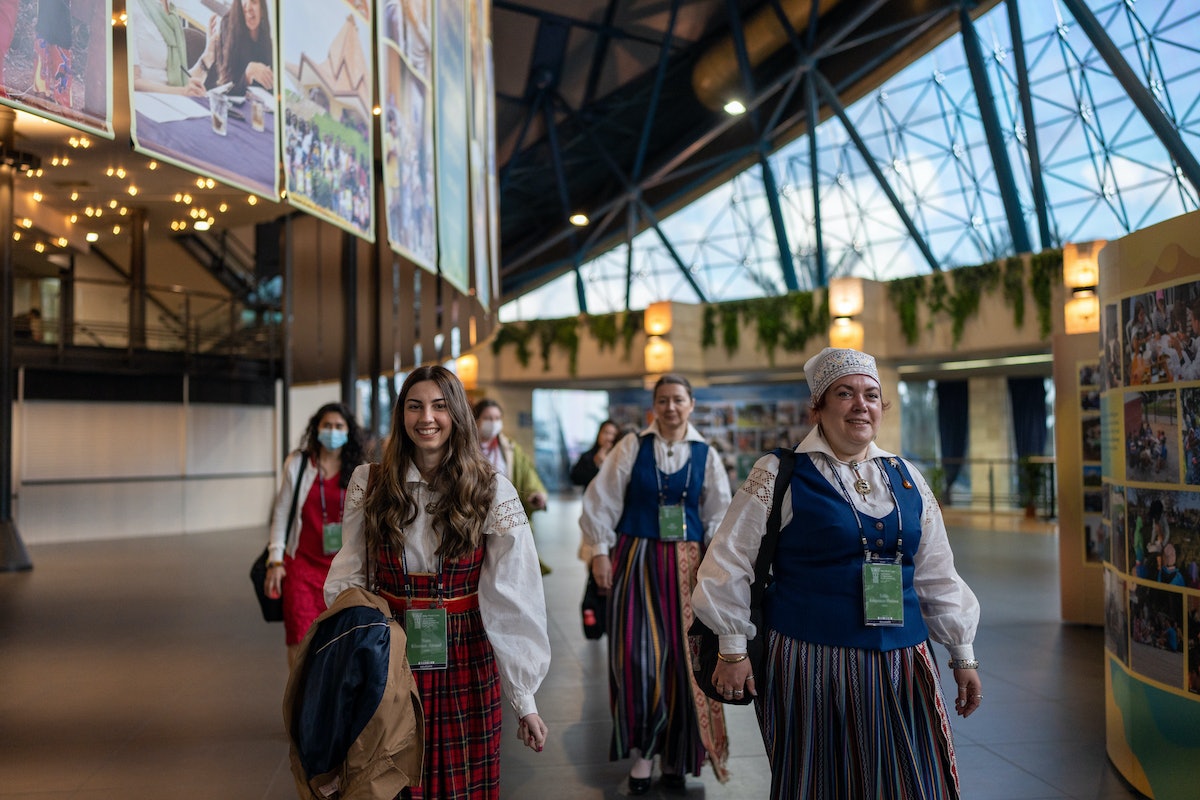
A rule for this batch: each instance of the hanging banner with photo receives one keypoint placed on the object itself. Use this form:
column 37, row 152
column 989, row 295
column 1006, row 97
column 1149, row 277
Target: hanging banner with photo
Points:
column 482, row 149
column 202, row 88
column 452, row 117
column 56, row 61
column 328, row 85
column 407, row 138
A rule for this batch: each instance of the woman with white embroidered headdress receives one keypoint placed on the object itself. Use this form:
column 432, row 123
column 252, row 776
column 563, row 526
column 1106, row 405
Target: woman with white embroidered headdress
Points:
column 849, row 702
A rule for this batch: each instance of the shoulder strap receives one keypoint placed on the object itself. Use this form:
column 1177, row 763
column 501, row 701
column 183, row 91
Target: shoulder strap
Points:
column 296, row 492
column 372, row 477
column 766, row 553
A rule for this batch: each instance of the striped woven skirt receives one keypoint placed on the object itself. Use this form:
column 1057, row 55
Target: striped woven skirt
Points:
column 649, row 677
column 846, row 724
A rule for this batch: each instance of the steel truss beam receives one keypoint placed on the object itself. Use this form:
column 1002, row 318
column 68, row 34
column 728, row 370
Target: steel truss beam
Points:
column 1038, row 185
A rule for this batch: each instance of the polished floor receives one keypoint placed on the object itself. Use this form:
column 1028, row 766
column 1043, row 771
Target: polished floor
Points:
column 140, row 669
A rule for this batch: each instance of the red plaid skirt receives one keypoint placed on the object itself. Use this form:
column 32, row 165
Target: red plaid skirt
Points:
column 461, row 702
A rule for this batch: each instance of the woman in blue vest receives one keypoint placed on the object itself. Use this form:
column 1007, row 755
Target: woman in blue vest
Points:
column 646, row 517
column 850, row 703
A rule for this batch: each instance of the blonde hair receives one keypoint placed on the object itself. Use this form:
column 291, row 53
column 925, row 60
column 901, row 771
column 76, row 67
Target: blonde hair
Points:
column 464, row 482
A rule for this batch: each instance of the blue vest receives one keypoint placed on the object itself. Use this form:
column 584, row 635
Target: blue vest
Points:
column 816, row 594
column 640, row 516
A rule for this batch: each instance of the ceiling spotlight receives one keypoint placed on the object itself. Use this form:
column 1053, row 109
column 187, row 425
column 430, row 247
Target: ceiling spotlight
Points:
column 37, row 197
column 223, row 207
column 133, row 190
column 252, row 200
column 39, row 246
column 209, row 183
column 377, row 111
column 199, row 183
column 120, row 172
column 112, row 203
column 92, row 236
column 61, row 241
column 201, row 225
column 735, row 108
column 578, row 220
column 187, row 199
column 116, row 230
column 74, row 218
column 26, row 223
column 153, row 165
column 74, row 196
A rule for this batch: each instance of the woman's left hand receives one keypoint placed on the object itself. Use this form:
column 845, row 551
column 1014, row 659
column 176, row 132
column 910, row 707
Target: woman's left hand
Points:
column 537, row 501
column 734, row 680
column 532, row 732
column 970, row 691
column 257, row 72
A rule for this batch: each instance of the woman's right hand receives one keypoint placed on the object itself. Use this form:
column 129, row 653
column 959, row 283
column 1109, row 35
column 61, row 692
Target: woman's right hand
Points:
column 273, row 585
column 602, row 572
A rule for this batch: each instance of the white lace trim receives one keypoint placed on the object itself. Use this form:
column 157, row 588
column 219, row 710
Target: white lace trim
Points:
column 760, row 484
column 509, row 514
column 355, row 495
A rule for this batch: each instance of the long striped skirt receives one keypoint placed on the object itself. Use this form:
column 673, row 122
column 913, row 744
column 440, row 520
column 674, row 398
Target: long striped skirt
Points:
column 846, row 724
column 649, row 679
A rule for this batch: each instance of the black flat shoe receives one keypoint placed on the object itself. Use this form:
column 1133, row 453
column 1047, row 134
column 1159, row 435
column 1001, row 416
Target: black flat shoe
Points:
column 674, row 783
column 638, row 786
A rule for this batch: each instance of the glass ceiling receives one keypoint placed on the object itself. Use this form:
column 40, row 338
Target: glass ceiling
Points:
column 1105, row 172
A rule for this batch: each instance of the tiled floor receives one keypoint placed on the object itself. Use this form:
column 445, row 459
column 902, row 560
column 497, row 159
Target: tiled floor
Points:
column 139, row 669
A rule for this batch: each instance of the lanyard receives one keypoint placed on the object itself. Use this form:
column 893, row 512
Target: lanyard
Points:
column 658, row 478
column 341, row 499
column 861, row 535
column 408, row 590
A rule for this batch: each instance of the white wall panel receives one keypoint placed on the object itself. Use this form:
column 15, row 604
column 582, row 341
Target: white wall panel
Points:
column 76, row 512
column 225, row 439
column 101, row 440
column 220, row 504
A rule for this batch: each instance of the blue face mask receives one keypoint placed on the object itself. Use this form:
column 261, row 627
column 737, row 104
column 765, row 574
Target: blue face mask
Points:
column 332, row 438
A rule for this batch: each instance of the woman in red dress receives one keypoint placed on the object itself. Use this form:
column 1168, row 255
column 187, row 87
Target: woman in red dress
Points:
column 330, row 450
column 451, row 550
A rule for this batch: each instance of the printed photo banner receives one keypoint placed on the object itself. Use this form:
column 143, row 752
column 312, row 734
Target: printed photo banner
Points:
column 56, row 61
column 202, row 78
column 405, row 61
column 483, row 151
column 328, row 86
column 452, row 123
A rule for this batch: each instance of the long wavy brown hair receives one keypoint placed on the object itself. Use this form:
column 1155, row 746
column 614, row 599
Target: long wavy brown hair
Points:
column 464, row 482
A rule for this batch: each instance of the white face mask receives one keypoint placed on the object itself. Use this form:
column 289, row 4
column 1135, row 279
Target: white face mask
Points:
column 489, row 429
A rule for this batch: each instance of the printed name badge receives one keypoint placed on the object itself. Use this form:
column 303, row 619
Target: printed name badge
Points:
column 426, row 632
column 883, row 594
column 672, row 526
column 331, row 537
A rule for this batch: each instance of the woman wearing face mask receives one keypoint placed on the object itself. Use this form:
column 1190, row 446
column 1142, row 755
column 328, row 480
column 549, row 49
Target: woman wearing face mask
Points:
column 330, row 450
column 509, row 459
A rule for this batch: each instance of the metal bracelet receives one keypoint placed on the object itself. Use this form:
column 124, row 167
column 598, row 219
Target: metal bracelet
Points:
column 963, row 663
column 734, row 659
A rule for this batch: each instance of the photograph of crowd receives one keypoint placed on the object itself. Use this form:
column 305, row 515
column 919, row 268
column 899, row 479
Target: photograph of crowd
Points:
column 1110, row 347
column 1162, row 542
column 1152, row 436
column 327, row 113
column 1189, row 401
column 1193, row 645
column 1116, row 616
column 1114, row 515
column 1162, row 335
column 408, row 177
column 1156, row 634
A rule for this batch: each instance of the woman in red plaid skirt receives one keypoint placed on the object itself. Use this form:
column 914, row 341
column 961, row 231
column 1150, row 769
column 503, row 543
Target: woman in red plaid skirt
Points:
column 452, row 552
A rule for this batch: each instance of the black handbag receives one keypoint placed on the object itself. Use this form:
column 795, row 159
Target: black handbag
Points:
column 703, row 643
column 272, row 607
column 594, row 609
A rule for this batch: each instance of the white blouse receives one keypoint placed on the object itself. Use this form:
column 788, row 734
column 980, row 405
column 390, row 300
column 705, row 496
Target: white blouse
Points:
column 512, row 601
column 722, row 594
column 604, row 499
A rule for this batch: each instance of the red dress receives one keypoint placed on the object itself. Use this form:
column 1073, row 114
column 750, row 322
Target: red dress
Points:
column 304, row 583
column 461, row 702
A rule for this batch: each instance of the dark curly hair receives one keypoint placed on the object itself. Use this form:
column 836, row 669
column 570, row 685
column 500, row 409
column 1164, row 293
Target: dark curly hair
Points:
column 352, row 450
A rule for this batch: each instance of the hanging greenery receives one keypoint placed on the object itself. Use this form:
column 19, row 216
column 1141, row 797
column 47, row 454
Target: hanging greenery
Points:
column 1045, row 272
column 789, row 322
column 1014, row 288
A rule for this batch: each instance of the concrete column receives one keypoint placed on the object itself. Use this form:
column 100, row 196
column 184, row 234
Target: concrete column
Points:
column 990, row 438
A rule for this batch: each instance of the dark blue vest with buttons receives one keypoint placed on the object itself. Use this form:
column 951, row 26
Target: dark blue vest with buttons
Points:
column 640, row 517
column 816, row 593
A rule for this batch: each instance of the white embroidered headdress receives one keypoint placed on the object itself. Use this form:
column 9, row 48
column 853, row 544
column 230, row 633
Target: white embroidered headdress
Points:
column 832, row 363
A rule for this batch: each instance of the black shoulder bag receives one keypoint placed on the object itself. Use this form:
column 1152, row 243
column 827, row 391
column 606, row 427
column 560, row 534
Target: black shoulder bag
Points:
column 272, row 607
column 704, row 643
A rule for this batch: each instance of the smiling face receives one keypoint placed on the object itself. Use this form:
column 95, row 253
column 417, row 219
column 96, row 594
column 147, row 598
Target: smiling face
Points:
column 607, row 435
column 849, row 415
column 428, row 423
column 253, row 12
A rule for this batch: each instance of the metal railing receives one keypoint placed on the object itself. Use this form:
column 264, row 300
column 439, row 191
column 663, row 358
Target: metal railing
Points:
column 177, row 319
column 996, row 484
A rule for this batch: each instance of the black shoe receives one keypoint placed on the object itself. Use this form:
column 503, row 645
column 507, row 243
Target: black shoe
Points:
column 672, row 782
column 638, row 786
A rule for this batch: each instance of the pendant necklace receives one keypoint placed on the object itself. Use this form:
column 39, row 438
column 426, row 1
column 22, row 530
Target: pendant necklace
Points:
column 861, row 484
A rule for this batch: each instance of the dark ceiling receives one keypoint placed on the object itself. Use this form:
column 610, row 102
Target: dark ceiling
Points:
column 631, row 140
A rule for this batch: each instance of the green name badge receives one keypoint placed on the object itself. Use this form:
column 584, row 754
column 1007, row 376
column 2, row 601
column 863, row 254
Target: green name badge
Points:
column 672, row 525
column 883, row 594
column 426, row 632
column 331, row 537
